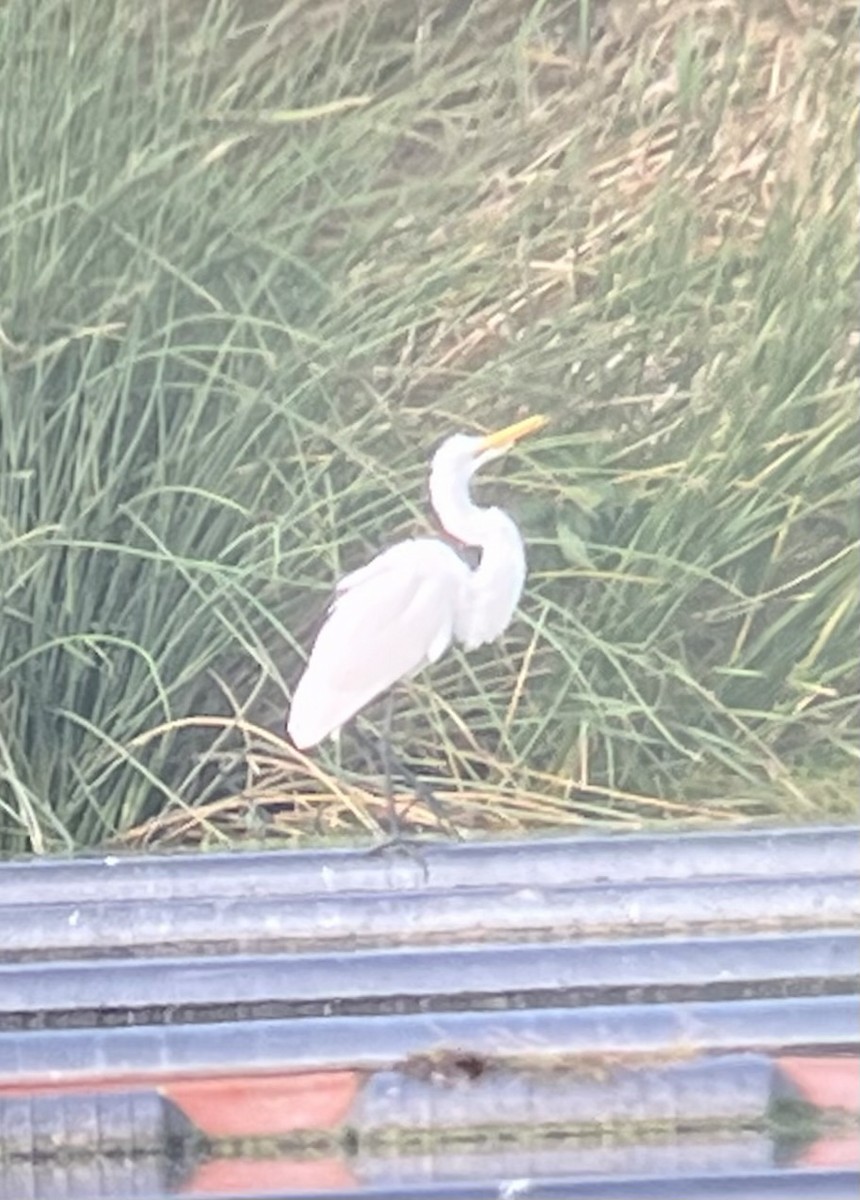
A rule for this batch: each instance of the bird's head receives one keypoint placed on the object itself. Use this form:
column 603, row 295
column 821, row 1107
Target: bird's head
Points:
column 463, row 454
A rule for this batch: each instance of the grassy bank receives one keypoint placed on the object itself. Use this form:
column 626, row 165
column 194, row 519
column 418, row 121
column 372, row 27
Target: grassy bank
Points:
column 256, row 263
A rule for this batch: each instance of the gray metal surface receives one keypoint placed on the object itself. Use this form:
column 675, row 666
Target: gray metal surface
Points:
column 131, row 1122
column 734, row 1087
column 542, row 975
column 375, row 1043
column 509, row 1008
column 555, row 862
column 683, row 1154
column 532, row 911
column 764, row 1185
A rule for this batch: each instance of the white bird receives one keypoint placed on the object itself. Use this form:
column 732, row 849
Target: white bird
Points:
column 401, row 612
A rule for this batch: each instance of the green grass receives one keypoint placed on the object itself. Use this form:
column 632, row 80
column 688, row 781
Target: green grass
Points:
column 254, row 267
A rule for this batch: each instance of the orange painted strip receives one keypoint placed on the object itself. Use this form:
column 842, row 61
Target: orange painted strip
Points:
column 89, row 1084
column 842, row 1151
column 265, row 1105
column 261, row 1105
column 227, row 1175
column 826, row 1082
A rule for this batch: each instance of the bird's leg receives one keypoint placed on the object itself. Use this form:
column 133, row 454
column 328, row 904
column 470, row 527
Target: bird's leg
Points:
column 381, row 749
column 423, row 792
column 378, row 751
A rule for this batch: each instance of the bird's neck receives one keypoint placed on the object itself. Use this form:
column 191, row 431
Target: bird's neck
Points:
column 497, row 582
column 458, row 514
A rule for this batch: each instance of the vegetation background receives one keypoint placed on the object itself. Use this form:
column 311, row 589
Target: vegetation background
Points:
column 257, row 258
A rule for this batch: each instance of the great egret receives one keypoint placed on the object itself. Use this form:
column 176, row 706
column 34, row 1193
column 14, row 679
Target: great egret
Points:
column 402, row 611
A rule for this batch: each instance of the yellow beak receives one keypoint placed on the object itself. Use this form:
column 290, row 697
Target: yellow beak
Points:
column 505, row 438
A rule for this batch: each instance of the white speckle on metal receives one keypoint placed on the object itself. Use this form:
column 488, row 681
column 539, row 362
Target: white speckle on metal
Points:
column 74, row 917
column 511, row 1188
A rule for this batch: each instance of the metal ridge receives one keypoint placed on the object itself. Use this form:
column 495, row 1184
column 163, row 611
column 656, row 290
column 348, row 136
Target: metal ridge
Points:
column 609, row 858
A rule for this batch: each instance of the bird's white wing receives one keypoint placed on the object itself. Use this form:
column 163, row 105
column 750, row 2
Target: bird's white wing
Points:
column 388, row 619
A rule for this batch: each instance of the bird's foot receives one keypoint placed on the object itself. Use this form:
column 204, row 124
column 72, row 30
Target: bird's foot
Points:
column 422, row 793
column 425, row 795
column 399, row 843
